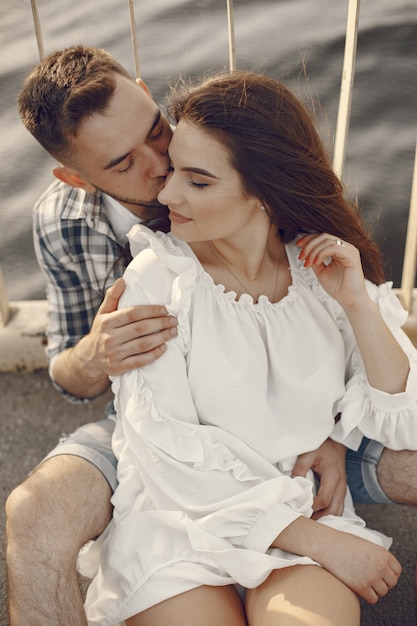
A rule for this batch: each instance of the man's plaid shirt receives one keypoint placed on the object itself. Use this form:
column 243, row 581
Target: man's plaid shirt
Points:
column 80, row 258
column 76, row 250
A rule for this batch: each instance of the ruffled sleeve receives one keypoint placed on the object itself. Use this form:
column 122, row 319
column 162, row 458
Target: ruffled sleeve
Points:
column 388, row 418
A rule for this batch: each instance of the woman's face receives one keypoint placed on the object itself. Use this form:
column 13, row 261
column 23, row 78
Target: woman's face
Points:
column 203, row 191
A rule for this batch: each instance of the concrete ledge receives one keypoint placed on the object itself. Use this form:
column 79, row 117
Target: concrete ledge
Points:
column 22, row 340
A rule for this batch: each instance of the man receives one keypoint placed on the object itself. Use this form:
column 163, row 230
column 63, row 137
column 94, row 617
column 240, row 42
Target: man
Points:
column 80, row 234
column 111, row 141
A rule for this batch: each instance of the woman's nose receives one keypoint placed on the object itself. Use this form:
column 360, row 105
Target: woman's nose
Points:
column 162, row 196
column 166, row 195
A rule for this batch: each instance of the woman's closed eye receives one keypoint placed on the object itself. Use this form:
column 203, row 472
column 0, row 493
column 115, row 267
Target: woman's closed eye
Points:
column 197, row 185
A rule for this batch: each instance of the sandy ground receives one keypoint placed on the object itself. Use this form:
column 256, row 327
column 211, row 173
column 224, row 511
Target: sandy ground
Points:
column 33, row 417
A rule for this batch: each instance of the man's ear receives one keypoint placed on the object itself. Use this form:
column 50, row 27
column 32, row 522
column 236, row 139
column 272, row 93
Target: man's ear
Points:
column 142, row 84
column 72, row 178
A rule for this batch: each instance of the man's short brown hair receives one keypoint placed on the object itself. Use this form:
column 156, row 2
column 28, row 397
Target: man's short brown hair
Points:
column 63, row 90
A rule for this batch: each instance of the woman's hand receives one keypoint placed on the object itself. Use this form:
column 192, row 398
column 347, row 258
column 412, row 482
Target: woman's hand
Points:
column 337, row 265
column 366, row 568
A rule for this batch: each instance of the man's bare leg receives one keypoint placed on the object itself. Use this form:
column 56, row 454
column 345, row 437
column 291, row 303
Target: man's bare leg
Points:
column 50, row 516
column 397, row 475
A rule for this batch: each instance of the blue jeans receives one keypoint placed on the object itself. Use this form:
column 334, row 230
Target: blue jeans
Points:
column 361, row 473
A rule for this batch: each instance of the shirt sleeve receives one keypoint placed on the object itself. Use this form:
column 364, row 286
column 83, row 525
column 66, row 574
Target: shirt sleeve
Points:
column 75, row 261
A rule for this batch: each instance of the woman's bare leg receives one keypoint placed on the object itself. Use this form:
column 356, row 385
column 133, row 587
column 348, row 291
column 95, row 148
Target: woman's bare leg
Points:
column 302, row 594
column 203, row 606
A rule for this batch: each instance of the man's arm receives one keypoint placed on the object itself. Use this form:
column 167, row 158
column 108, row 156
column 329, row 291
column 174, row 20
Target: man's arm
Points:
column 88, row 338
column 119, row 340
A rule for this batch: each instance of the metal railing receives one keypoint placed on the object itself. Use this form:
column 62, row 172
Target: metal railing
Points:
column 407, row 293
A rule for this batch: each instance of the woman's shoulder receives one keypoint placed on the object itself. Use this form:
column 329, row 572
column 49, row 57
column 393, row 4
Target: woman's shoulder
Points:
column 158, row 259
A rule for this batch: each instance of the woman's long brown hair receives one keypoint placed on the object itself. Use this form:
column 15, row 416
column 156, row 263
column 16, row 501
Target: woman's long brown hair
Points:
column 281, row 159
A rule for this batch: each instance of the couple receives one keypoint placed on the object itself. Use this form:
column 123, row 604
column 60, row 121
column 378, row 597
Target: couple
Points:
column 280, row 344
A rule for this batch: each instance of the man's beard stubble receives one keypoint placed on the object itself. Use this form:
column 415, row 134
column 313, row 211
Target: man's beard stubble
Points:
column 151, row 210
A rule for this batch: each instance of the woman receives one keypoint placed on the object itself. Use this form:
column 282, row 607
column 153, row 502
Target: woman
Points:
column 287, row 335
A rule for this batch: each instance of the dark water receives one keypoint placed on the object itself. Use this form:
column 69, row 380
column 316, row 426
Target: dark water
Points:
column 278, row 37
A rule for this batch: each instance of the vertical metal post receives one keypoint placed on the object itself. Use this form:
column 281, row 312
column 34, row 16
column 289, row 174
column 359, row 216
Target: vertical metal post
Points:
column 348, row 73
column 4, row 302
column 231, row 29
column 134, row 38
column 38, row 31
column 410, row 250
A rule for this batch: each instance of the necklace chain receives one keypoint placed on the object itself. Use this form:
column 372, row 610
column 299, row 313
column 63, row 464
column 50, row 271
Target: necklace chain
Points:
column 247, row 290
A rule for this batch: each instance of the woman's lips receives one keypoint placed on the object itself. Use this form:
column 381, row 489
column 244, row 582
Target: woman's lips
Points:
column 177, row 218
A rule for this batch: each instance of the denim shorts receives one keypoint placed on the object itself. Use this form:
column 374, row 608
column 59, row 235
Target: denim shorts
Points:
column 92, row 442
column 361, row 473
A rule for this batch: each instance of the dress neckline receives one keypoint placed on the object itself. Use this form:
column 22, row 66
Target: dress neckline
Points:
column 245, row 298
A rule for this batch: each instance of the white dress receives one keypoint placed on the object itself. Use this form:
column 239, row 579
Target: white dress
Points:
column 207, row 435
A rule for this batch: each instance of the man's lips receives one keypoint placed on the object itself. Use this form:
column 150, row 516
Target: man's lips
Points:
column 176, row 218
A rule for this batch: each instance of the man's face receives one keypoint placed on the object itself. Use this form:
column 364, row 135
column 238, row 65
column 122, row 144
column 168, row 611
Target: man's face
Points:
column 123, row 151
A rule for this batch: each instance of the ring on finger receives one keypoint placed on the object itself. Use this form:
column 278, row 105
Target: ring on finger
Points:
column 339, row 242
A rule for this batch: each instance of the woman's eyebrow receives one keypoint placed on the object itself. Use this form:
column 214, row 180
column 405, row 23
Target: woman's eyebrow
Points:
column 195, row 170
column 198, row 170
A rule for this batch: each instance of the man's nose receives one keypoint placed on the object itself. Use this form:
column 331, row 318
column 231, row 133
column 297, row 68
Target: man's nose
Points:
column 158, row 163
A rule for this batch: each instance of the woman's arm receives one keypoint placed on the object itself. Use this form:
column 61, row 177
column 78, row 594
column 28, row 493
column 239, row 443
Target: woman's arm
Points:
column 386, row 364
column 369, row 570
